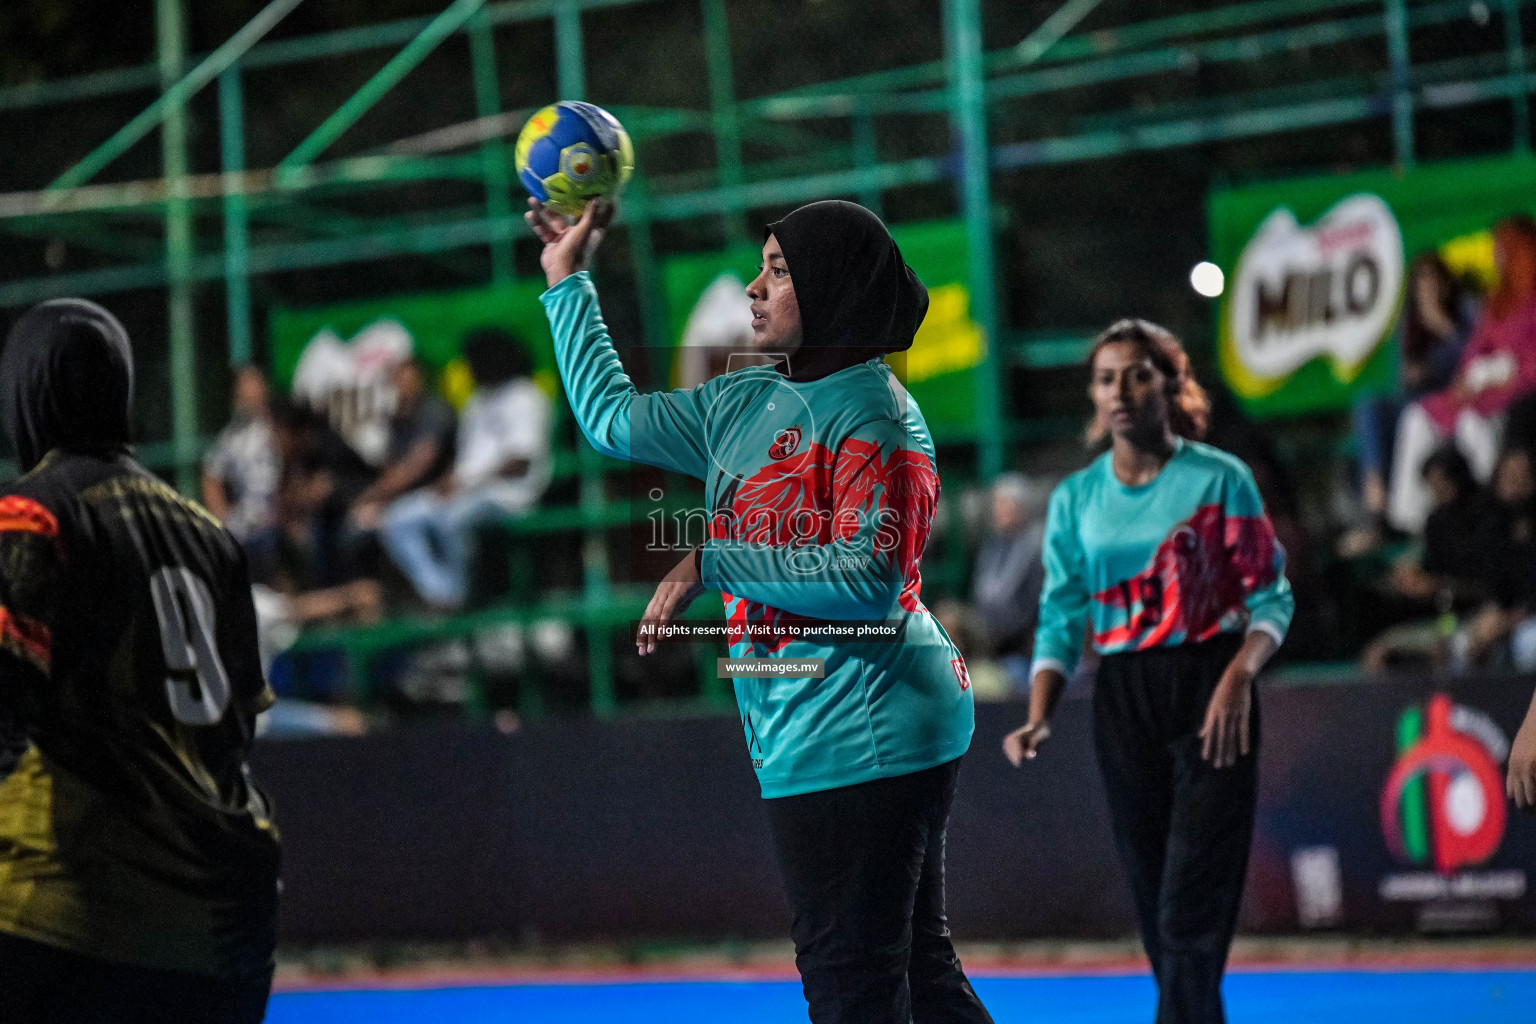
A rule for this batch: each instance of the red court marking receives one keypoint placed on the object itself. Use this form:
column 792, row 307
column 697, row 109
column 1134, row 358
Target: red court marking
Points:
column 1374, row 961
column 496, row 977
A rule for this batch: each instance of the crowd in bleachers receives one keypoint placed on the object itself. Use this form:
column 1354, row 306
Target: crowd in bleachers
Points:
column 1442, row 543
column 1446, row 468
column 1440, row 547
column 333, row 538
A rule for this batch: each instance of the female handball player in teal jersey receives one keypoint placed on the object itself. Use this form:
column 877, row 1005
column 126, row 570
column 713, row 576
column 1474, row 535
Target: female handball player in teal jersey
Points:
column 820, row 482
column 1161, row 547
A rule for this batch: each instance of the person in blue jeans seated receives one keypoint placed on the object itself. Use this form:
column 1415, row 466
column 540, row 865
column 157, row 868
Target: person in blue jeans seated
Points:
column 501, row 467
column 1431, row 334
column 419, row 450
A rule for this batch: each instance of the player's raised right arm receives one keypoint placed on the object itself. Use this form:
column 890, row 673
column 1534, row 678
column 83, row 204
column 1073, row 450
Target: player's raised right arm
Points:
column 663, row 429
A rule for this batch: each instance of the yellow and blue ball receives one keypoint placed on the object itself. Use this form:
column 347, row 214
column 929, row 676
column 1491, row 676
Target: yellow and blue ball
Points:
column 570, row 153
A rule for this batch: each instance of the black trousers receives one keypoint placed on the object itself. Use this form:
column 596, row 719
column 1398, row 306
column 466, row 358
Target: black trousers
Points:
column 863, row 868
column 40, row 984
column 1182, row 826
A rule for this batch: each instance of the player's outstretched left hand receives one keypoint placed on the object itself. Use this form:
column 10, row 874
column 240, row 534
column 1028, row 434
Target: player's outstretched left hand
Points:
column 568, row 247
column 1224, row 736
column 1024, row 742
column 674, row 594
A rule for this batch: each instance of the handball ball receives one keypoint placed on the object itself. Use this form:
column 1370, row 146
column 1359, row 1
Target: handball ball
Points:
column 570, row 153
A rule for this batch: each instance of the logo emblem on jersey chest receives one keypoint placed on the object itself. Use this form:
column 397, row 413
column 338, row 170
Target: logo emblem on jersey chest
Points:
column 785, row 443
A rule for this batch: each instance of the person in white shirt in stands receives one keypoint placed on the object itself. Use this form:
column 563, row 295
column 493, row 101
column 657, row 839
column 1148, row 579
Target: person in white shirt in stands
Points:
column 501, row 467
column 240, row 474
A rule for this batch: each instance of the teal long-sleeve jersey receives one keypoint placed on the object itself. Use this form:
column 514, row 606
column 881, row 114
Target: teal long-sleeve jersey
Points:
column 820, row 497
column 1182, row 558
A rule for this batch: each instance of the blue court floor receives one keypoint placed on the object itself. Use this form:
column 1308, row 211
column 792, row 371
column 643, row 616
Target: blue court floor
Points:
column 1290, row 997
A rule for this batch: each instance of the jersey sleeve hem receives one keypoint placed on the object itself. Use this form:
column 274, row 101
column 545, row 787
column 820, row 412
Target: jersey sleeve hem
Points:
column 1269, row 628
column 557, row 290
column 1042, row 663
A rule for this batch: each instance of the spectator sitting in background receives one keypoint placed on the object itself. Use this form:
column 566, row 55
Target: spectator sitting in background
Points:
column 1431, row 335
column 1508, row 545
column 1445, row 570
column 420, row 447
column 502, row 468
column 1005, row 586
column 1497, row 368
column 321, row 479
column 280, row 617
column 241, row 472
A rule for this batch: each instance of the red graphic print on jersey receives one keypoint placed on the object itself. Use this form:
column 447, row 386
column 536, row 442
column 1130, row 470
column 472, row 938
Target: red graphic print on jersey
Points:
column 909, row 493
column 25, row 524
column 783, row 503
column 23, row 515
column 814, row 497
column 1202, row 571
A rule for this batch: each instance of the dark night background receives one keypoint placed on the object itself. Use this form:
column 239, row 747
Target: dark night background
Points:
column 1080, row 245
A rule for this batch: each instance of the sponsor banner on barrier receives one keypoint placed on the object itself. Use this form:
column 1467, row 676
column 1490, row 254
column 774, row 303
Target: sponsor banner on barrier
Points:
column 1378, row 813
column 1315, row 271
column 1443, row 807
column 1388, row 802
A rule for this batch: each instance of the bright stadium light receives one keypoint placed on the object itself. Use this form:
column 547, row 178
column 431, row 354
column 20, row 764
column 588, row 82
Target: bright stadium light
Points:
column 1207, row 279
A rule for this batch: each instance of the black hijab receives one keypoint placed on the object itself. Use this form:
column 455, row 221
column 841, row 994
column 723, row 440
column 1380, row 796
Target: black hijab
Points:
column 66, row 380
column 858, row 298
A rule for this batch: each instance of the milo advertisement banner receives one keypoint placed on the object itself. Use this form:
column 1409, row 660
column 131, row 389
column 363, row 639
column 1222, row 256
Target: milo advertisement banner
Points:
column 708, row 317
column 339, row 358
column 1315, row 271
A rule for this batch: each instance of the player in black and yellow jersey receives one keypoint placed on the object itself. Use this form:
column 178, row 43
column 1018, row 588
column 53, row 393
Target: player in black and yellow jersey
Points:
column 138, row 862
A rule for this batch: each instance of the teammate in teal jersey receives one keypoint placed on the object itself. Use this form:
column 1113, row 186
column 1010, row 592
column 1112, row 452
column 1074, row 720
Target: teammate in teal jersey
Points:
column 821, row 486
column 1162, row 551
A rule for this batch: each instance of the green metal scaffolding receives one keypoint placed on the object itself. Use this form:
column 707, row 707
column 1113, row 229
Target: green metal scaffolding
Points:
column 969, row 85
